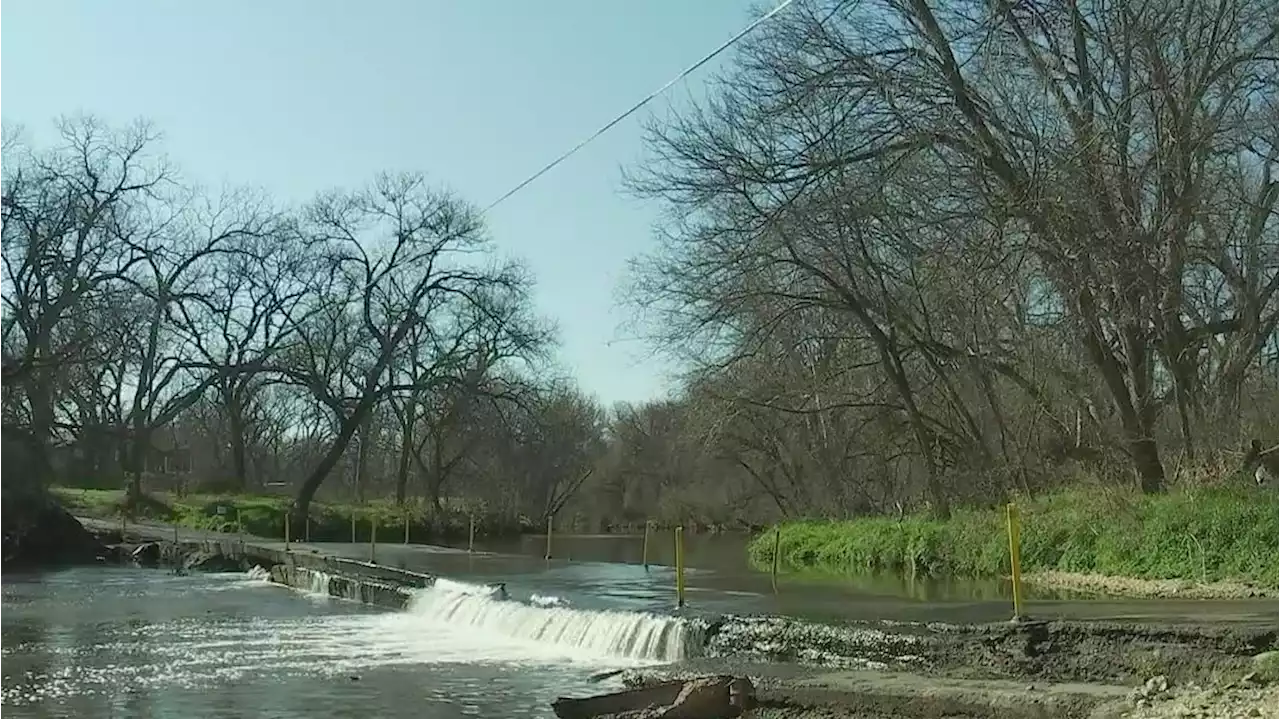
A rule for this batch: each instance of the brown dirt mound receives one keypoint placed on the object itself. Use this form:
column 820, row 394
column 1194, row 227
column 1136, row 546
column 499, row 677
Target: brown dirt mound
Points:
column 39, row 533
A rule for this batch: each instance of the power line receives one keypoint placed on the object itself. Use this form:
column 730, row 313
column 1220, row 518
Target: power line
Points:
column 763, row 18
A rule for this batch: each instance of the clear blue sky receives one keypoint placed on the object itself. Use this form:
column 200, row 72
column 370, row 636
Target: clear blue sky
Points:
column 298, row 96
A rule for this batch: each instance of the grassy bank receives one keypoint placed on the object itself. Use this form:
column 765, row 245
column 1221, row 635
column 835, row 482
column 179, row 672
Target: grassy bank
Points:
column 265, row 515
column 1204, row 535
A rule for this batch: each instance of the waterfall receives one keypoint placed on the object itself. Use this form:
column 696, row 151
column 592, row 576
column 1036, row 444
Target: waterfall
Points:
column 632, row 635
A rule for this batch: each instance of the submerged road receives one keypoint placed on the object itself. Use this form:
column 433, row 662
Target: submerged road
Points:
column 631, row 587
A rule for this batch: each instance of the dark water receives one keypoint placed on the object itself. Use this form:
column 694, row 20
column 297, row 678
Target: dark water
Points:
column 138, row 643
column 606, row 571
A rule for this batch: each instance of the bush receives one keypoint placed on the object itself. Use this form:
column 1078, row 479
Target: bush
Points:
column 1205, row 534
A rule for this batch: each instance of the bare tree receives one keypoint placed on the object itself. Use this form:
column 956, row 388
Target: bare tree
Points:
column 859, row 149
column 177, row 264
column 399, row 256
column 241, row 321
column 61, row 212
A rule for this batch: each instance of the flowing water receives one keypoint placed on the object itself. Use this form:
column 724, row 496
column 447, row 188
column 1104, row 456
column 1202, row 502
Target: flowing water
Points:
column 499, row 635
column 137, row 643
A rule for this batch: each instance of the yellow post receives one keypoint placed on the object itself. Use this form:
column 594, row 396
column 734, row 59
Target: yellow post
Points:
column 406, row 524
column 777, row 551
column 353, row 526
column 679, row 566
column 644, row 552
column 548, row 537
column 471, row 535
column 286, row 530
column 1015, row 558
column 306, row 529
column 373, row 539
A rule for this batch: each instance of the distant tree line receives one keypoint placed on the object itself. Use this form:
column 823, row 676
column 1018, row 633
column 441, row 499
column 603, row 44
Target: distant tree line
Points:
column 913, row 254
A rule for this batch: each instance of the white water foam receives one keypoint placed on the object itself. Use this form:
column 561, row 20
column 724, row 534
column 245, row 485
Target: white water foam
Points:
column 548, row 600
column 475, row 590
column 256, row 633
column 629, row 635
column 317, row 581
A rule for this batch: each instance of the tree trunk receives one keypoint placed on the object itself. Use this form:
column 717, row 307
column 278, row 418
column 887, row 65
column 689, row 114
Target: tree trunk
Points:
column 307, row 492
column 1146, row 458
column 239, row 464
column 362, row 459
column 891, row 362
column 139, row 443
column 406, row 449
column 435, row 476
column 37, row 440
column 1130, row 391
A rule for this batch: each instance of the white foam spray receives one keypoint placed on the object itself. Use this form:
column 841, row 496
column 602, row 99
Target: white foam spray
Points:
column 630, row 635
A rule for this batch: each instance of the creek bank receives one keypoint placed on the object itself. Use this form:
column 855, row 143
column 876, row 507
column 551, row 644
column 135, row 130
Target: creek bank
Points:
column 807, row 692
column 1060, row 651
column 1204, row 535
column 1027, row 670
column 40, row 534
column 1106, row 586
column 810, row 693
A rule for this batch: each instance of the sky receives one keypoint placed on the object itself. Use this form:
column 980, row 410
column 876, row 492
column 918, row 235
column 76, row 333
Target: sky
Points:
column 299, row 96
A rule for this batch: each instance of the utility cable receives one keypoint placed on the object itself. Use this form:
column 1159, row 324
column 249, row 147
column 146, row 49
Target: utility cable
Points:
column 692, row 68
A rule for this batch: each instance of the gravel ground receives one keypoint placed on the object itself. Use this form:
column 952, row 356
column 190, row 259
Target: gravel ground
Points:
column 1254, row 695
column 1234, row 702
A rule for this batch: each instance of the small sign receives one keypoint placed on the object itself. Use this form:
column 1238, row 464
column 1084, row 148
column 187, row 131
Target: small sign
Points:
column 222, row 511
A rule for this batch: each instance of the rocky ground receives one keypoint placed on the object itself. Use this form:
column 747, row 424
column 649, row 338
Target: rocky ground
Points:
column 1226, row 682
column 1210, row 703
column 810, row 693
column 1121, row 653
column 1251, row 696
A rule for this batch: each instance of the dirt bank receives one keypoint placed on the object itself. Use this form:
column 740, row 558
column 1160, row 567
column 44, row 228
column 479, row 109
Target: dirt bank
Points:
column 40, row 534
column 1060, row 651
column 792, row 691
column 1030, row 670
column 1147, row 588
column 798, row 692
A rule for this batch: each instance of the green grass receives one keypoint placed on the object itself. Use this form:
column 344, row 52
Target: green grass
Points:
column 265, row 515
column 1222, row 533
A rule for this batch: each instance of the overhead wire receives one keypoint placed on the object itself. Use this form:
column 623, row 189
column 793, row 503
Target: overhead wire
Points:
column 632, row 110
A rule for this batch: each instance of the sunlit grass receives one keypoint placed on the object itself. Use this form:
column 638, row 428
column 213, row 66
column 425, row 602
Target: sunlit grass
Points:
column 1210, row 534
